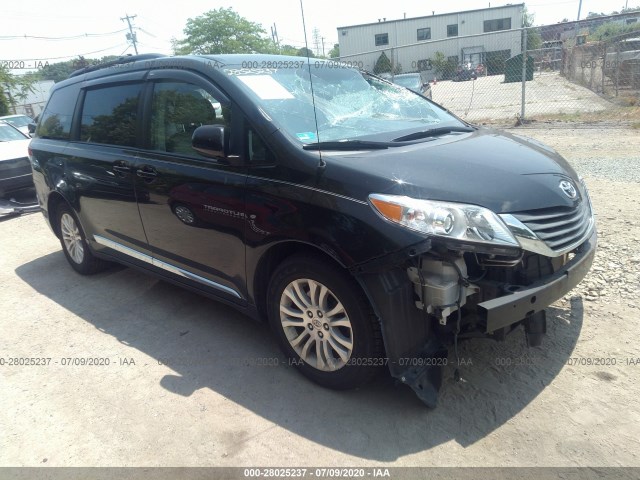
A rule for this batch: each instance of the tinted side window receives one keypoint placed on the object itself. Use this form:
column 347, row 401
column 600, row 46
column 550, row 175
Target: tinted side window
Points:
column 56, row 118
column 177, row 110
column 109, row 115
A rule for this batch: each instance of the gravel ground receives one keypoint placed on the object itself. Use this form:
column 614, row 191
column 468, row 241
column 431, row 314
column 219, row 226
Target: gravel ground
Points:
column 571, row 402
column 491, row 98
column 612, row 171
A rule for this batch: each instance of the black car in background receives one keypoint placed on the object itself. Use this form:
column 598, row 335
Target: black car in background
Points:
column 368, row 225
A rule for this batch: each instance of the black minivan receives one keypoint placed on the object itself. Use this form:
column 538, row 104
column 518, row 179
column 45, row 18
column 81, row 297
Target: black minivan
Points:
column 370, row 226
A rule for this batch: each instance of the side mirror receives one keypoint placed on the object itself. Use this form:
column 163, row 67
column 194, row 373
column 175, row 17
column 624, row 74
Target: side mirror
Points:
column 32, row 128
column 209, row 140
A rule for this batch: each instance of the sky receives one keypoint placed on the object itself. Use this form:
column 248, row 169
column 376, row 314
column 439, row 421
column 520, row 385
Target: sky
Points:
column 101, row 31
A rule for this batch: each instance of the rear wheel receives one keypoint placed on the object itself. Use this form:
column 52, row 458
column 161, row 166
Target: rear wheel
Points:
column 74, row 244
column 324, row 323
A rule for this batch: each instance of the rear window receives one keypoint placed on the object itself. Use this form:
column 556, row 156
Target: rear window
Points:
column 8, row 133
column 19, row 121
column 56, row 118
column 109, row 115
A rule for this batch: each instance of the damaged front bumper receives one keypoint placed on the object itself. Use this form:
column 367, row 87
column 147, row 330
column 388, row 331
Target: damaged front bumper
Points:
column 503, row 311
column 414, row 344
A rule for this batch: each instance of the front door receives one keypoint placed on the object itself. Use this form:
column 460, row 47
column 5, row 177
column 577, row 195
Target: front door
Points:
column 192, row 207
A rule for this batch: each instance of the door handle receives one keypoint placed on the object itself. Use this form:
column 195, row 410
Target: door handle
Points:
column 147, row 171
column 121, row 167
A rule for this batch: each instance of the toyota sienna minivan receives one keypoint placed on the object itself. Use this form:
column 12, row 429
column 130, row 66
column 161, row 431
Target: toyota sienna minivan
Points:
column 368, row 225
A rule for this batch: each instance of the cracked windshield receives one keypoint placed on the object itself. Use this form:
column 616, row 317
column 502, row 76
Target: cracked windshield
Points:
column 349, row 103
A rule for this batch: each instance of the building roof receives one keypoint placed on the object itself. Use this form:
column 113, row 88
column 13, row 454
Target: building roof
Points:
column 434, row 16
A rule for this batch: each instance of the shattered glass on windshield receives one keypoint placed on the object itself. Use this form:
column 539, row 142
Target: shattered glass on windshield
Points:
column 348, row 103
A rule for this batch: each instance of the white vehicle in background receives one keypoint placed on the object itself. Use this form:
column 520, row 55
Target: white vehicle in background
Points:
column 21, row 122
column 15, row 168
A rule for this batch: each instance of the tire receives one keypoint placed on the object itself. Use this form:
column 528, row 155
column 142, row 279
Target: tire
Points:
column 338, row 323
column 74, row 244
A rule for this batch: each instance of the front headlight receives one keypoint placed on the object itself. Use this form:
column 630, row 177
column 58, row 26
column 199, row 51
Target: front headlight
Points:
column 456, row 221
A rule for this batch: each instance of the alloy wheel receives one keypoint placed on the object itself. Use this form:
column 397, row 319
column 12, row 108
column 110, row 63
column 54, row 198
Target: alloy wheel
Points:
column 316, row 324
column 72, row 238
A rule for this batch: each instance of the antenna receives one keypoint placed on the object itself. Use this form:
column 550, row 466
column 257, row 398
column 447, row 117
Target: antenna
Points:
column 321, row 162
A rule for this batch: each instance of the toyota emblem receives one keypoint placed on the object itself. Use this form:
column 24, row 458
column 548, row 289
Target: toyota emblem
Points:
column 568, row 189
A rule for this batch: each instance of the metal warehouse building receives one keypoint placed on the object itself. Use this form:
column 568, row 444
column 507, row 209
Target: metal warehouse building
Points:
column 488, row 36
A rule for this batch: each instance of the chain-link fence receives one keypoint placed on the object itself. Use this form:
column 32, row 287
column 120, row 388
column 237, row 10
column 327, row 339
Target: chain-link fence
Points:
column 566, row 76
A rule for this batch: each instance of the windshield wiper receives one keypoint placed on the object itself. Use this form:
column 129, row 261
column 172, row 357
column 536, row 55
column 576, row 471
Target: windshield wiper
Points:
column 433, row 132
column 349, row 145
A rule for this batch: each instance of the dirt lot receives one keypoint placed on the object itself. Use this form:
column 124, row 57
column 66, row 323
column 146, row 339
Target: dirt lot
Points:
column 573, row 402
column 491, row 98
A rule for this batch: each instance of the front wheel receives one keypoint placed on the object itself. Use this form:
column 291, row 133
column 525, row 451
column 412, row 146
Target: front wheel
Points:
column 74, row 244
column 323, row 323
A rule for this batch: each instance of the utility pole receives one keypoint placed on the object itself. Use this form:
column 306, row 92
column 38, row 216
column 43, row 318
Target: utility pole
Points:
column 274, row 35
column 131, row 36
column 579, row 9
column 323, row 46
column 316, row 41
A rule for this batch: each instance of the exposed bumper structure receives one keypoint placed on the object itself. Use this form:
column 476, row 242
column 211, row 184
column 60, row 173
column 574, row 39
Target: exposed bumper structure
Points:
column 504, row 311
column 414, row 351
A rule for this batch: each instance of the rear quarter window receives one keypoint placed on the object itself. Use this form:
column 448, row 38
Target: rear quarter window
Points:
column 56, row 118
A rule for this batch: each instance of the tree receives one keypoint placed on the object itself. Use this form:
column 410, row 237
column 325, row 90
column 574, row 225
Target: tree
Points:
column 615, row 12
column 56, row 71
column 12, row 88
column 444, row 67
column 383, row 64
column 288, row 50
column 4, row 105
column 534, row 39
column 335, row 51
column 304, row 52
column 609, row 30
column 223, row 31
column 61, row 70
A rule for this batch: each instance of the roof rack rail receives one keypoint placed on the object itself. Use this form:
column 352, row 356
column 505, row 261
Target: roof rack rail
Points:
column 117, row 61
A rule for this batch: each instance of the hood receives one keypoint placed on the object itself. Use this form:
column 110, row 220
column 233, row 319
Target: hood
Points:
column 14, row 149
column 499, row 171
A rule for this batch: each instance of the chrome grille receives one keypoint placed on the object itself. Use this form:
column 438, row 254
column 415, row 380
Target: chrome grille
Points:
column 559, row 227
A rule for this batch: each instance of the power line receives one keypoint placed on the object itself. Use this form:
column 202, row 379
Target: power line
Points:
column 72, row 37
column 148, row 33
column 153, row 47
column 68, row 56
column 14, row 14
